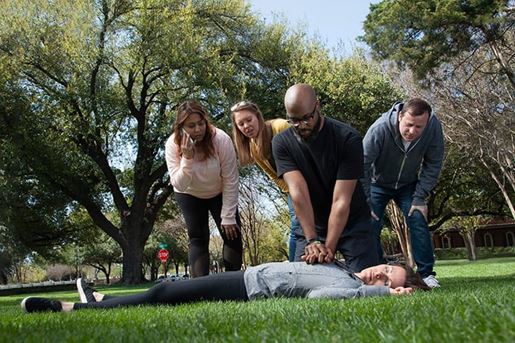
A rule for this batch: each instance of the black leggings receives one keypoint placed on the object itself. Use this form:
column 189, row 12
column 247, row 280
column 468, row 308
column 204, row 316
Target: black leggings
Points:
column 196, row 214
column 222, row 286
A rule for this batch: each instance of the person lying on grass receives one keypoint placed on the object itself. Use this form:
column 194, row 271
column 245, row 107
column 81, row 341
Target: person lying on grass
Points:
column 278, row 279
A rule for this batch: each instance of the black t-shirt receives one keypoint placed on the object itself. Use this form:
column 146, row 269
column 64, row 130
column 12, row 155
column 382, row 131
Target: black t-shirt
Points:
column 335, row 154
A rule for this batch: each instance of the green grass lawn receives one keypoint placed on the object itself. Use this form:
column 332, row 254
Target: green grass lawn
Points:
column 476, row 303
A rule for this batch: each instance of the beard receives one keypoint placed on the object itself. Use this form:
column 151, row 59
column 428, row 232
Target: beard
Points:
column 309, row 134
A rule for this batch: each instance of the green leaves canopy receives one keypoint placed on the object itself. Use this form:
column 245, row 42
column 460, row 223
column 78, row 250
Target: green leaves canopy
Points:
column 90, row 90
column 424, row 34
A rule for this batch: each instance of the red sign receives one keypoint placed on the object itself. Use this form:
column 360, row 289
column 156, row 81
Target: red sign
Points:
column 163, row 255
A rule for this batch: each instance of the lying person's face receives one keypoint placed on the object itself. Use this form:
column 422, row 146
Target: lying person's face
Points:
column 383, row 275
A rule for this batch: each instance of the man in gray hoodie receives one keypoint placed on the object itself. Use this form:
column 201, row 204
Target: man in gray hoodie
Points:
column 403, row 154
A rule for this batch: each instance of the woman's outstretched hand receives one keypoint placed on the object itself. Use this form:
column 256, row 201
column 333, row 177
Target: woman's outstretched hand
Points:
column 401, row 291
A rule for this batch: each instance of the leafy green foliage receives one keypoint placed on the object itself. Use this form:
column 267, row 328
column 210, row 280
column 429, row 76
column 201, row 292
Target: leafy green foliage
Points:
column 425, row 34
column 353, row 90
column 91, row 89
column 462, row 191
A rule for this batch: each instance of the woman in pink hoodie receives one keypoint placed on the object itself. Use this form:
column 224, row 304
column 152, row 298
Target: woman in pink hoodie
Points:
column 202, row 165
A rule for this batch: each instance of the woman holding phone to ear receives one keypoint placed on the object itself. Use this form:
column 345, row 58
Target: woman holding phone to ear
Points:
column 202, row 165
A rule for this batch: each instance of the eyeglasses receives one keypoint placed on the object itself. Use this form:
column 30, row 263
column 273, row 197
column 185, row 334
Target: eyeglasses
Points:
column 304, row 119
column 241, row 105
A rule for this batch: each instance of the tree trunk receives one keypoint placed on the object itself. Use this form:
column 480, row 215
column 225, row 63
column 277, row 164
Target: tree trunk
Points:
column 132, row 262
column 108, row 274
column 470, row 244
column 401, row 229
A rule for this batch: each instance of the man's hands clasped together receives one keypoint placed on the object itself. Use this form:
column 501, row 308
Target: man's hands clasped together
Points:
column 317, row 252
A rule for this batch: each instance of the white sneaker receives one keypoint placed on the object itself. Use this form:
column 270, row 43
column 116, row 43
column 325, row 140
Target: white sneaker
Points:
column 431, row 281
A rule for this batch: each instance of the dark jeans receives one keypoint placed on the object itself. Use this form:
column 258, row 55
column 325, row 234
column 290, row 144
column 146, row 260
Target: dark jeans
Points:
column 294, row 225
column 222, row 286
column 419, row 231
column 196, row 214
column 357, row 245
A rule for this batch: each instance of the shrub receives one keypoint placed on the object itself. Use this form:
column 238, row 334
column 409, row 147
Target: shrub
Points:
column 60, row 272
column 482, row 252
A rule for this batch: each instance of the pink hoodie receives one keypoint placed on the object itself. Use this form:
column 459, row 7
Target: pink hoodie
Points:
column 206, row 179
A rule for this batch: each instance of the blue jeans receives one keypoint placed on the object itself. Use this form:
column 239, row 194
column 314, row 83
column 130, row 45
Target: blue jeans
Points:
column 294, row 223
column 419, row 231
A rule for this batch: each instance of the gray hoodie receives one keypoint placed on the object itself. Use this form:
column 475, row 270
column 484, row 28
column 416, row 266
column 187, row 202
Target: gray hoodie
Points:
column 388, row 164
column 299, row 279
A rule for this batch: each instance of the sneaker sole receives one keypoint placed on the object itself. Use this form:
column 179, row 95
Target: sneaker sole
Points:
column 23, row 304
column 82, row 295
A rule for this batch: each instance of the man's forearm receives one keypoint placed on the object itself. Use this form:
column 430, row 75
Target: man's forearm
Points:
column 305, row 215
column 302, row 205
column 337, row 222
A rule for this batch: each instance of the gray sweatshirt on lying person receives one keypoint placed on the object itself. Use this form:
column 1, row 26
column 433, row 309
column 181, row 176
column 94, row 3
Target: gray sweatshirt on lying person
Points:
column 302, row 280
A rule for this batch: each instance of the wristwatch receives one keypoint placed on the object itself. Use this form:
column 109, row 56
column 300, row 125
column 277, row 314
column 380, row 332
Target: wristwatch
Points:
column 315, row 240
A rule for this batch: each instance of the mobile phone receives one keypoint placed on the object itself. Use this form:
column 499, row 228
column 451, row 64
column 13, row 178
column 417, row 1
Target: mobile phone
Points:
column 190, row 140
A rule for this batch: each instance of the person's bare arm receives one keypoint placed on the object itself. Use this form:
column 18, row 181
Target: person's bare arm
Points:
column 299, row 194
column 339, row 216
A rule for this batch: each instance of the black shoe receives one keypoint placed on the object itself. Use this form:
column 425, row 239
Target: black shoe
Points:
column 85, row 292
column 33, row 304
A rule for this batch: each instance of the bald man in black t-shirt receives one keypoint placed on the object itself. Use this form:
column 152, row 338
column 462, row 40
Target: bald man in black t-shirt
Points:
column 321, row 160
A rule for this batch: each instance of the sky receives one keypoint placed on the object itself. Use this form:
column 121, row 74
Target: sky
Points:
column 337, row 22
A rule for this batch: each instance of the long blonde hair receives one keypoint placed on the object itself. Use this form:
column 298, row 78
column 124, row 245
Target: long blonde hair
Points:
column 263, row 140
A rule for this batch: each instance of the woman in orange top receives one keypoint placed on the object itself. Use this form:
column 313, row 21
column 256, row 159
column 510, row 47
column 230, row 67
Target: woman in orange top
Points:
column 253, row 140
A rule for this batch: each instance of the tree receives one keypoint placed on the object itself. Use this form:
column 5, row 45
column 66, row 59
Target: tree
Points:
column 102, row 255
column 173, row 233
column 467, row 227
column 478, row 112
column 252, row 224
column 464, row 190
column 274, row 246
column 12, row 256
column 34, row 217
column 427, row 34
column 262, row 231
column 354, row 90
column 216, row 253
column 92, row 87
